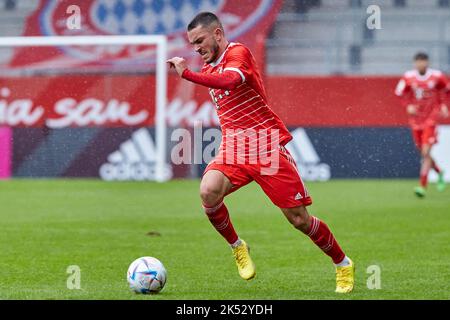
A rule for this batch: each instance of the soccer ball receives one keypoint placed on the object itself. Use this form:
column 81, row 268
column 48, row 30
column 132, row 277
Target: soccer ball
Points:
column 146, row 275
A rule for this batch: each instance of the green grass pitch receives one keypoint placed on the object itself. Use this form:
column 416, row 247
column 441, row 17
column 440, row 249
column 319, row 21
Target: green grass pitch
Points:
column 47, row 225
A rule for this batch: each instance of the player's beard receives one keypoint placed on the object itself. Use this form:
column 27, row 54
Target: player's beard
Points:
column 423, row 71
column 214, row 52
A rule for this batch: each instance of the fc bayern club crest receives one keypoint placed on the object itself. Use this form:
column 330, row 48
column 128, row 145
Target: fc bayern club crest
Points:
column 139, row 17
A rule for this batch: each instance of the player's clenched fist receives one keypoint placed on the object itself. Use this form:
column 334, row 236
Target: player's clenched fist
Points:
column 411, row 109
column 178, row 63
column 444, row 111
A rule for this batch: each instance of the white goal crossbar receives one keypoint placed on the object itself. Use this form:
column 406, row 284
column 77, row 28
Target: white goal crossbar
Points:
column 161, row 73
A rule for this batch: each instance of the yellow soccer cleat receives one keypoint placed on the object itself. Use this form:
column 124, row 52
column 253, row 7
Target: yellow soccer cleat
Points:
column 245, row 265
column 345, row 278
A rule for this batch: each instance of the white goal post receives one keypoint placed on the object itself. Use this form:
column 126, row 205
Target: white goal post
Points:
column 161, row 73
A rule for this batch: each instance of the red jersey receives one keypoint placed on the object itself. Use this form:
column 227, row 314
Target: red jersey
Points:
column 427, row 92
column 238, row 92
column 245, row 107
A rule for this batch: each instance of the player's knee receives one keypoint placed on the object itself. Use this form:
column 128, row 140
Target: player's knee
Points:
column 209, row 194
column 299, row 218
column 425, row 151
column 300, row 223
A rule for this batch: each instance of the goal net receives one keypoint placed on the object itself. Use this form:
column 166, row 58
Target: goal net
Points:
column 98, row 110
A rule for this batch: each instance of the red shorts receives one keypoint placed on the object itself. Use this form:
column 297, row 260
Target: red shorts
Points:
column 283, row 186
column 427, row 135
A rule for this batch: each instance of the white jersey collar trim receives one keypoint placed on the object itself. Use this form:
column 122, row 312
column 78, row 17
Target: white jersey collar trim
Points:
column 219, row 60
column 423, row 77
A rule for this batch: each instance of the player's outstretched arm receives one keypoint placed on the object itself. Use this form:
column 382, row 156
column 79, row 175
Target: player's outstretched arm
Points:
column 178, row 63
column 227, row 80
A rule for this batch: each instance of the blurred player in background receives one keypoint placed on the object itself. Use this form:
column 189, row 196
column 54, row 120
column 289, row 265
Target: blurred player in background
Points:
column 236, row 87
column 424, row 94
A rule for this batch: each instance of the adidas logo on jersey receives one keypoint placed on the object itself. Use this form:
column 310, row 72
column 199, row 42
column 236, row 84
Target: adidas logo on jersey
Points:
column 298, row 196
column 306, row 157
column 135, row 160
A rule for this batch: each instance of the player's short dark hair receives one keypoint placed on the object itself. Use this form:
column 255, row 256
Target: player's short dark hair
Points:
column 204, row 19
column 421, row 56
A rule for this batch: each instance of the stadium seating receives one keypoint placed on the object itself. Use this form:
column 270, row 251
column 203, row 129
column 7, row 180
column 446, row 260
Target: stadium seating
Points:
column 12, row 16
column 328, row 36
column 331, row 37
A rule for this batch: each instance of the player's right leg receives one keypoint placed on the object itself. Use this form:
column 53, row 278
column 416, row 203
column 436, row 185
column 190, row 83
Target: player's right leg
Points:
column 440, row 186
column 424, row 170
column 428, row 137
column 418, row 135
column 419, row 141
column 319, row 232
column 286, row 190
column 213, row 188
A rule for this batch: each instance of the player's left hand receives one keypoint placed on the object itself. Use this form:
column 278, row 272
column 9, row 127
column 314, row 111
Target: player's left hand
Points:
column 444, row 111
column 178, row 63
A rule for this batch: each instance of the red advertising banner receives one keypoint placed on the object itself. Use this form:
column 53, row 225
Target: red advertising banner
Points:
column 337, row 101
column 129, row 100
column 247, row 21
column 77, row 101
column 97, row 101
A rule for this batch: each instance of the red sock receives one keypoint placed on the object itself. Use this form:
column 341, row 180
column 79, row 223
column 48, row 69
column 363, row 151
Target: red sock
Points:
column 435, row 167
column 424, row 180
column 220, row 219
column 321, row 235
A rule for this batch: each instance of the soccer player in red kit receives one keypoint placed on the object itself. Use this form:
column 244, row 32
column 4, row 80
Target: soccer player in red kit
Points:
column 423, row 93
column 234, row 82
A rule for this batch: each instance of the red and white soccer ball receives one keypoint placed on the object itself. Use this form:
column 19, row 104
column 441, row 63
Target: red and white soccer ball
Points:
column 146, row 275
